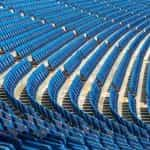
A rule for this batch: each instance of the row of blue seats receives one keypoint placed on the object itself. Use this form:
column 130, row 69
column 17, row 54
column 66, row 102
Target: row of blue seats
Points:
column 54, row 17
column 51, row 47
column 119, row 75
column 34, row 82
column 38, row 42
column 33, row 7
column 74, row 93
column 57, row 139
column 133, row 83
column 18, row 27
column 105, row 69
column 31, row 130
column 99, row 53
column 53, row 89
column 89, row 66
column 118, row 78
column 120, row 8
column 57, row 82
column 113, row 91
column 65, row 51
column 77, row 58
column 14, row 76
column 20, row 39
column 127, row 38
column 36, row 79
column 93, row 95
column 51, row 58
column 16, row 42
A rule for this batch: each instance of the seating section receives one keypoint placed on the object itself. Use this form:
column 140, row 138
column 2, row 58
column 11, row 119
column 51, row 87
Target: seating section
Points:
column 74, row 75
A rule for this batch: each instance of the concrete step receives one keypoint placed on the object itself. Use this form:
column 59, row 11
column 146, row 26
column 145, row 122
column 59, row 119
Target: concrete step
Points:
column 106, row 109
column 145, row 115
column 45, row 101
column 125, row 111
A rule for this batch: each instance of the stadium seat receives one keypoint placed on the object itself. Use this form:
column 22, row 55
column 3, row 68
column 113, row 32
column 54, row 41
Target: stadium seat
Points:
column 74, row 74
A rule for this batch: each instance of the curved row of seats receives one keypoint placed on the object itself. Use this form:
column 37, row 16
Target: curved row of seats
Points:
column 60, row 82
column 62, row 40
column 106, row 60
column 135, row 77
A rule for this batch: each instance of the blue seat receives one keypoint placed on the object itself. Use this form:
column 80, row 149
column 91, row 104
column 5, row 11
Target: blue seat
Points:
column 6, row 146
column 11, row 80
column 51, row 47
column 87, row 48
column 105, row 69
column 88, row 68
column 35, row 43
column 113, row 100
column 77, row 58
column 132, row 104
column 136, row 69
column 20, row 39
column 65, row 51
column 119, row 75
column 75, row 89
column 6, row 61
column 17, row 72
column 94, row 94
column 37, row 77
column 102, row 35
column 55, row 84
column 73, row 62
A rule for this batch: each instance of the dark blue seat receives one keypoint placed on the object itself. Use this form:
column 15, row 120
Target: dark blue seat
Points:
column 6, row 61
